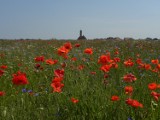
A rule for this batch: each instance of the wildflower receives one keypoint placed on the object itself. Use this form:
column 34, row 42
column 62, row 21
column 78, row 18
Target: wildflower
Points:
column 51, row 61
column 68, row 45
column 116, row 52
column 147, row 66
column 74, row 59
column 129, row 78
column 158, row 67
column 80, row 67
column 114, row 65
column 156, row 61
column 155, row 70
column 59, row 73
column 57, row 79
column 77, row 45
column 155, row 95
column 104, row 59
column 74, row 100
column 139, row 61
column 24, row 90
column 2, row 93
column 29, row 91
column 128, row 63
column 57, row 86
column 19, row 78
column 63, row 65
column 1, row 72
column 106, row 76
column 37, row 66
column 3, row 67
column 128, row 89
column 129, row 118
column 105, row 68
column 115, row 98
column 152, row 86
column 88, row 51
column 134, row 103
column 62, row 51
column 39, row 59
column 116, row 59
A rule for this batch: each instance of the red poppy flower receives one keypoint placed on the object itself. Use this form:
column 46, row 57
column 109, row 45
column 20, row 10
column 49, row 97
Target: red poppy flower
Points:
column 68, row 45
column 2, row 93
column 57, row 86
column 116, row 59
column 147, row 66
column 63, row 65
column 37, row 66
column 88, row 51
column 19, row 78
column 39, row 59
column 77, row 45
column 128, row 63
column 155, row 70
column 139, row 61
column 105, row 68
column 156, row 61
column 59, row 73
column 81, row 67
column 116, row 52
column 104, row 59
column 74, row 100
column 57, row 79
column 3, row 66
column 128, row 89
column 114, row 65
column 134, row 103
column 129, row 78
column 62, row 51
column 152, row 86
column 115, row 98
column 158, row 66
column 1, row 72
column 155, row 95
column 51, row 61
column 74, row 59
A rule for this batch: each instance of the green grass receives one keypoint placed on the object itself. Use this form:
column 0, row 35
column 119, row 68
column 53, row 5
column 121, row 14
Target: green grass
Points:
column 94, row 96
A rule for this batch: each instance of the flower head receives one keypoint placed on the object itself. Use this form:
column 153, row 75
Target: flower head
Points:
column 1, row 72
column 134, row 103
column 128, row 89
column 74, row 100
column 129, row 78
column 19, row 78
column 88, row 51
column 152, row 86
column 115, row 98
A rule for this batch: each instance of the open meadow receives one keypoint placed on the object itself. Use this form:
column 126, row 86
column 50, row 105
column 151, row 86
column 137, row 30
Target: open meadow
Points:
column 79, row 80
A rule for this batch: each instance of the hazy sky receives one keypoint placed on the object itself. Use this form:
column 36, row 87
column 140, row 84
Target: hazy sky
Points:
column 62, row 19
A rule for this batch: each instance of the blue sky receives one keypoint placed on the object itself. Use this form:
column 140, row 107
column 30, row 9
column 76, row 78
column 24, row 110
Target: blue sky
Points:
column 62, row 19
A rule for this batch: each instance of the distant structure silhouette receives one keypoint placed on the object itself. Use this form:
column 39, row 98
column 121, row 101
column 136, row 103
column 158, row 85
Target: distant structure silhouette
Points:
column 81, row 37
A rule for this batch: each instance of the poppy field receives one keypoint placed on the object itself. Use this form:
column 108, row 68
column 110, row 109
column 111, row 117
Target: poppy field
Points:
column 79, row 80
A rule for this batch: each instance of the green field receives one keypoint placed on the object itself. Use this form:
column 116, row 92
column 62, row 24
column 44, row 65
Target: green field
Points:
column 85, row 79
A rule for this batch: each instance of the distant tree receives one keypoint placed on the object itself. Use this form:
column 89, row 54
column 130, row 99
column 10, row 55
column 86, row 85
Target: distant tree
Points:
column 155, row 38
column 148, row 38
